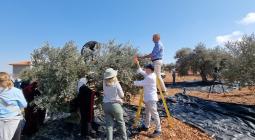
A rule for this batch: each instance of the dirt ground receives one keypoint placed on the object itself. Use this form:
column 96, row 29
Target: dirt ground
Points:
column 243, row 96
column 168, row 78
column 183, row 131
column 180, row 131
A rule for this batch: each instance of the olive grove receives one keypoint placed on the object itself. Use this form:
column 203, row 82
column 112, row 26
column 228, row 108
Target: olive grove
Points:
column 241, row 65
column 235, row 61
column 200, row 60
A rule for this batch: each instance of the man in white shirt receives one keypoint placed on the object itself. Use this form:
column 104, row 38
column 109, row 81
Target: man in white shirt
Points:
column 150, row 97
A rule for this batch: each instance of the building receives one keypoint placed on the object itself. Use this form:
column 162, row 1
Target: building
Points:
column 18, row 67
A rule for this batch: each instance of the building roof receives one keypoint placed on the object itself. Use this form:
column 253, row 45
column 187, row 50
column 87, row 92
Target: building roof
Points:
column 22, row 63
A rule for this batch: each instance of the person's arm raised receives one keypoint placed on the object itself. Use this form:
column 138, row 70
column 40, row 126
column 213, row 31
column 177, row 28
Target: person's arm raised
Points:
column 139, row 70
column 136, row 61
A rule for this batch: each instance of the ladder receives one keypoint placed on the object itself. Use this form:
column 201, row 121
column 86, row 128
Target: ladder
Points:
column 138, row 113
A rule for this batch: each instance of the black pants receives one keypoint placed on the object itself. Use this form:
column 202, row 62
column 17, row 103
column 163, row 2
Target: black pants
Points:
column 85, row 103
column 173, row 80
column 85, row 127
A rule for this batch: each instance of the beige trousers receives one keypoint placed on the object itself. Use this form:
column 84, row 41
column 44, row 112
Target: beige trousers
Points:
column 8, row 128
column 157, row 68
column 151, row 111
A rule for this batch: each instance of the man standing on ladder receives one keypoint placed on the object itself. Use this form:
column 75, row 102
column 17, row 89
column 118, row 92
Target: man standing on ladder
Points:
column 156, row 57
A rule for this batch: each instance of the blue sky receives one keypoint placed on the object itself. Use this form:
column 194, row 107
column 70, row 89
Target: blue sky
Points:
column 28, row 24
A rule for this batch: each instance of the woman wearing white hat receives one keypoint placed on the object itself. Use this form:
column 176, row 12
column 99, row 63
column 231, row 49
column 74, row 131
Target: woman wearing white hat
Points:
column 112, row 103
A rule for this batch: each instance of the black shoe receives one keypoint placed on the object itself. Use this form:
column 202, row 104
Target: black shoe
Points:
column 155, row 134
column 143, row 128
column 93, row 134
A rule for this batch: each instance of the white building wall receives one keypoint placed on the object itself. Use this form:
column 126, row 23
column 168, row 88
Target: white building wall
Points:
column 16, row 70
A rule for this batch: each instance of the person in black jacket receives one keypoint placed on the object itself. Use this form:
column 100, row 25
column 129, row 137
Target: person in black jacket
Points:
column 34, row 116
column 85, row 100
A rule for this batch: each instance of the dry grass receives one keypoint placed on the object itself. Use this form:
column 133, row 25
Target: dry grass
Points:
column 244, row 96
column 169, row 79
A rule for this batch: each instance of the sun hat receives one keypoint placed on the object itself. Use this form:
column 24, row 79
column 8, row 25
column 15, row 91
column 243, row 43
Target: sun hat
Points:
column 109, row 73
column 150, row 66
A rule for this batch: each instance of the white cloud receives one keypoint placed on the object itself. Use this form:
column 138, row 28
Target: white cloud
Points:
column 234, row 36
column 248, row 19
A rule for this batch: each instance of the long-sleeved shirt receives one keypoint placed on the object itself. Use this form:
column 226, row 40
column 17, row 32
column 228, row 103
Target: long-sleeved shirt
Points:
column 157, row 52
column 149, row 85
column 113, row 93
column 11, row 102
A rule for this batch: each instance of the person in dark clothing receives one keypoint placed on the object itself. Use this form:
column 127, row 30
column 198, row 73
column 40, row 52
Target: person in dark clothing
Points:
column 85, row 101
column 17, row 83
column 34, row 116
column 24, row 83
column 174, row 76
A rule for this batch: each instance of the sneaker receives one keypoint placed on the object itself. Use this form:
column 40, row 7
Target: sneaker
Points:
column 143, row 128
column 155, row 134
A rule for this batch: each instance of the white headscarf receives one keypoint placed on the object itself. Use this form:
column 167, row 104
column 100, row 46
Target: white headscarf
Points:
column 82, row 81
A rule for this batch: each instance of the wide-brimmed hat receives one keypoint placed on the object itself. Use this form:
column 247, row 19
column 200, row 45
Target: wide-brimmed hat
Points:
column 110, row 73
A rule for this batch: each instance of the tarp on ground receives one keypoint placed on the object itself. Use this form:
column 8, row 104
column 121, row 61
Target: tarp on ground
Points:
column 201, row 86
column 57, row 128
column 222, row 120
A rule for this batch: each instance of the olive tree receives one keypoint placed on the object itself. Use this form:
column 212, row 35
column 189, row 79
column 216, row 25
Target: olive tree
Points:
column 201, row 59
column 183, row 63
column 57, row 71
column 241, row 66
column 116, row 56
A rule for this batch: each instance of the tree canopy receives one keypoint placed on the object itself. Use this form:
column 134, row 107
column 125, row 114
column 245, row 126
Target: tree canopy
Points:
column 235, row 62
column 200, row 60
column 57, row 70
column 241, row 66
